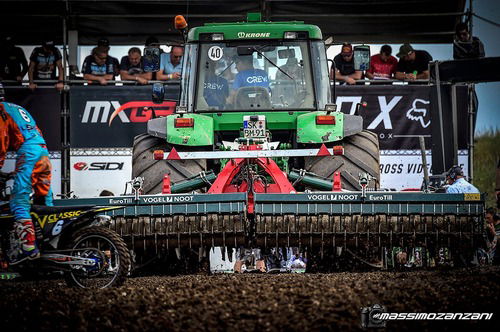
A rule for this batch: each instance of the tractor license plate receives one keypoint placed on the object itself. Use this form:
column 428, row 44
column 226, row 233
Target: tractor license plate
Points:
column 254, row 128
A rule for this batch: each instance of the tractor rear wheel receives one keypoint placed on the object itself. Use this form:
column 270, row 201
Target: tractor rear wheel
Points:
column 144, row 165
column 361, row 155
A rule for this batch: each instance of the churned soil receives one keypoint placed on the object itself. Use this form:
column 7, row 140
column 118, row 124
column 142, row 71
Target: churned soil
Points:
column 252, row 302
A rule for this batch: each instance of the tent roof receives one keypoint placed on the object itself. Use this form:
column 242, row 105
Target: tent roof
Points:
column 132, row 21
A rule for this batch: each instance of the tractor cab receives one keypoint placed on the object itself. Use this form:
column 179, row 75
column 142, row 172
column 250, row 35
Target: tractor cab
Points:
column 254, row 66
column 257, row 75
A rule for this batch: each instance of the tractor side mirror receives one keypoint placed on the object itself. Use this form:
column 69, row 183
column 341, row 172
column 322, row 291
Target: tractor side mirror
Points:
column 361, row 57
column 158, row 93
column 151, row 59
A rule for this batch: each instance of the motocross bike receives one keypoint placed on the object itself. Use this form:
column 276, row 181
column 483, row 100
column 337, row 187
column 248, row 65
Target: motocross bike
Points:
column 73, row 240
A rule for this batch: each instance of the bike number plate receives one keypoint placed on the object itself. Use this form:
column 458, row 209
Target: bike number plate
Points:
column 253, row 128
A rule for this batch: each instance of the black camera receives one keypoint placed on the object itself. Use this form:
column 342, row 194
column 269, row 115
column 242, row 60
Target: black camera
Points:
column 370, row 316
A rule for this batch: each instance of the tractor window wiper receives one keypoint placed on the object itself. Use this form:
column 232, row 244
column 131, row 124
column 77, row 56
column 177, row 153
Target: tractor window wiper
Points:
column 265, row 57
column 229, row 66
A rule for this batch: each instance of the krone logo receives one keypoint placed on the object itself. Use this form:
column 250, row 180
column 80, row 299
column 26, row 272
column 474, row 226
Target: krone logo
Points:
column 254, row 34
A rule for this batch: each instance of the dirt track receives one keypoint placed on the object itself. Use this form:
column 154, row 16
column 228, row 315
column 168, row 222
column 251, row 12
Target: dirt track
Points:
column 251, row 302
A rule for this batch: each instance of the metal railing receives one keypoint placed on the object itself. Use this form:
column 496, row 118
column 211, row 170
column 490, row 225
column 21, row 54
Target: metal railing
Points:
column 51, row 83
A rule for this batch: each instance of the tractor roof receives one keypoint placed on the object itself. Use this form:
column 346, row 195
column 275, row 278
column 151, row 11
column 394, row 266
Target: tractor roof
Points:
column 253, row 28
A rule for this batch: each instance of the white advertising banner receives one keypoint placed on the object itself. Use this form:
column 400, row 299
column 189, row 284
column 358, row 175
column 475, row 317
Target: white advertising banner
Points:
column 403, row 169
column 10, row 165
column 90, row 175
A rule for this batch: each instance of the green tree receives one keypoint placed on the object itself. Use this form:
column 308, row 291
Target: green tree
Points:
column 486, row 155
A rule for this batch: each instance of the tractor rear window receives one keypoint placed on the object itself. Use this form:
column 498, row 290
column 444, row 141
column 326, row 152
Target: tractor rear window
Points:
column 255, row 77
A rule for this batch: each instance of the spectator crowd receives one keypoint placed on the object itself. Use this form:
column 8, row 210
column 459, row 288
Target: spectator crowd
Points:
column 45, row 62
column 412, row 65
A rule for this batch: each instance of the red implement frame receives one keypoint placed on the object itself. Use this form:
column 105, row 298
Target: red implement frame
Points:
column 280, row 183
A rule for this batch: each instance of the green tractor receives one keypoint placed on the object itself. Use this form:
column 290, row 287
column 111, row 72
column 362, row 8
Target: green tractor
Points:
column 257, row 156
column 260, row 83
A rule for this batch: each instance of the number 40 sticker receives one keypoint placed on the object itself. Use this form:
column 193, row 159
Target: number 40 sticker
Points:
column 215, row 53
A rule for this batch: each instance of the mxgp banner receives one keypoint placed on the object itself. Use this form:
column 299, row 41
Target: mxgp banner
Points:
column 44, row 104
column 399, row 114
column 111, row 116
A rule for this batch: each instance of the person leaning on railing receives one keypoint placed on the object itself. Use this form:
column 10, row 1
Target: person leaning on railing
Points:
column 413, row 64
column 98, row 67
column 171, row 64
column 344, row 66
column 132, row 67
column 43, row 63
column 382, row 65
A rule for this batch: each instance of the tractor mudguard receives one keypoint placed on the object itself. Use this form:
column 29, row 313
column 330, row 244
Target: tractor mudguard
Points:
column 200, row 134
column 353, row 124
column 308, row 131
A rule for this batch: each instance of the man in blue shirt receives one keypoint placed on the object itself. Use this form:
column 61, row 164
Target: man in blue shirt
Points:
column 215, row 88
column 171, row 64
column 247, row 76
column 99, row 67
column 457, row 182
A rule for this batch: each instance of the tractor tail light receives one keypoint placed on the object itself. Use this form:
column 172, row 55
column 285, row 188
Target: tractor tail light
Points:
column 325, row 120
column 338, row 150
column 183, row 122
column 158, row 154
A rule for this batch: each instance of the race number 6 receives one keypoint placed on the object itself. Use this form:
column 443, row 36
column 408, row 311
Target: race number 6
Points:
column 57, row 228
column 24, row 115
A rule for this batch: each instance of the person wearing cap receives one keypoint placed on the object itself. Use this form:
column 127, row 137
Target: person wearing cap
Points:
column 171, row 64
column 43, row 63
column 19, row 133
column 13, row 64
column 344, row 66
column 104, row 42
column 132, row 67
column 413, row 64
column 99, row 67
column 383, row 65
column 466, row 46
column 457, row 182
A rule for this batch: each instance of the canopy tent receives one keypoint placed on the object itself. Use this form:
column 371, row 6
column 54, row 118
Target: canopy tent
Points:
column 128, row 22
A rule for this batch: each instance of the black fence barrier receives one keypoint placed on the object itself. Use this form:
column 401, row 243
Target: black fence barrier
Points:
column 398, row 114
column 45, row 107
column 111, row 116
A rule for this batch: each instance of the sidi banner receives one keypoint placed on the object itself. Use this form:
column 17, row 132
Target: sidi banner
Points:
column 111, row 116
column 91, row 175
column 400, row 114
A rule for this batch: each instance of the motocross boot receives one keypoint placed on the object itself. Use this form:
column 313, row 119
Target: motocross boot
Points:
column 26, row 242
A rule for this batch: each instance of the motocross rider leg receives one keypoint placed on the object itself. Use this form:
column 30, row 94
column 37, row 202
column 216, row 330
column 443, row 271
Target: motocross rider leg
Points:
column 27, row 158
column 40, row 181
